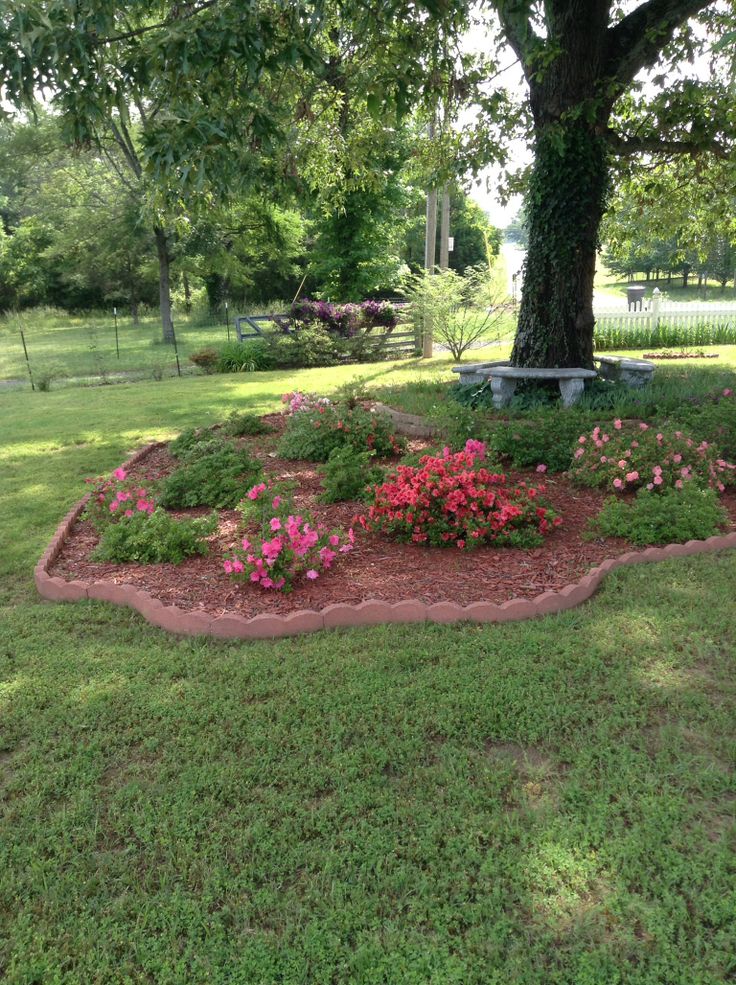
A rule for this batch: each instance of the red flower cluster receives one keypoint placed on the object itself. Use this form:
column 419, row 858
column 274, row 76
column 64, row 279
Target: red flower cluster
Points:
column 452, row 500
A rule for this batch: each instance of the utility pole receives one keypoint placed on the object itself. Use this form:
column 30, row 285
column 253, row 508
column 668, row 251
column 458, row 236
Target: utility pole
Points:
column 445, row 230
column 430, row 246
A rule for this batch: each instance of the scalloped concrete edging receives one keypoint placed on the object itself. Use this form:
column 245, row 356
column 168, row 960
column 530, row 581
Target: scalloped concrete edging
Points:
column 370, row 612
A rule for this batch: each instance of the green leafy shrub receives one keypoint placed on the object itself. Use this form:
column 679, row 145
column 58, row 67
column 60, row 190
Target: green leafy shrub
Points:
column 715, row 420
column 246, row 357
column 314, row 434
column 630, row 456
column 238, row 425
column 348, row 473
column 218, row 479
column 545, row 439
column 671, row 517
column 154, row 538
column 308, row 345
column 213, row 445
column 188, row 440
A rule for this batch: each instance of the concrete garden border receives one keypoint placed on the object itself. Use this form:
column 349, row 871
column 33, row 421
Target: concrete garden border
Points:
column 370, row 612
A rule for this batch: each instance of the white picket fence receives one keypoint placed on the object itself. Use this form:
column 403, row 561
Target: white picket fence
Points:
column 658, row 311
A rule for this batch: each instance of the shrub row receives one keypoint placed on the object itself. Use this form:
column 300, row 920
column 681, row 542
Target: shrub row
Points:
column 664, row 335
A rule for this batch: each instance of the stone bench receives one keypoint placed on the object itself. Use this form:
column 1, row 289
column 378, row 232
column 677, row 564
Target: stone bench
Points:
column 618, row 369
column 470, row 373
column 504, row 378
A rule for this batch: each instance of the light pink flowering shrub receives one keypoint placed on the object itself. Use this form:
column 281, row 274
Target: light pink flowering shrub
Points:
column 628, row 457
column 289, row 545
column 296, row 400
column 115, row 497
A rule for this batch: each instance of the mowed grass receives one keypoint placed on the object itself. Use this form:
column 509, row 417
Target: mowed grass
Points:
column 545, row 802
column 64, row 347
column 72, row 346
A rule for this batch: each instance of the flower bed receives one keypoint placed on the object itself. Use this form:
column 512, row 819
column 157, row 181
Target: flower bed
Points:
column 429, row 579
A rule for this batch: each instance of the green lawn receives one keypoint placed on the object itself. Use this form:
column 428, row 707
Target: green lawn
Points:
column 608, row 283
column 84, row 345
column 65, row 346
column 548, row 802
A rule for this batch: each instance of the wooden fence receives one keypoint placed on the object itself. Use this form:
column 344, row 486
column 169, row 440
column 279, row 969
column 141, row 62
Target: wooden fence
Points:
column 249, row 327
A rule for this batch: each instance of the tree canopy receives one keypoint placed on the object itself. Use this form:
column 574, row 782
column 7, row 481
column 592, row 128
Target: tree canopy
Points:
column 231, row 93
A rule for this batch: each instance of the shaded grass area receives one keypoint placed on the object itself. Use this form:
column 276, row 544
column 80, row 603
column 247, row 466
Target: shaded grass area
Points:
column 675, row 382
column 547, row 802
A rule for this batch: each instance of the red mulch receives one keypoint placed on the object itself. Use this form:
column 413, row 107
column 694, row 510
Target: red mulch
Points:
column 377, row 568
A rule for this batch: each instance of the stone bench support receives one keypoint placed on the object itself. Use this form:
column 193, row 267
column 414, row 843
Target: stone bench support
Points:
column 504, row 380
column 632, row 372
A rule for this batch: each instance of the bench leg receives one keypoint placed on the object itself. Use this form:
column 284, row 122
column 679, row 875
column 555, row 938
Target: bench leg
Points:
column 503, row 391
column 571, row 391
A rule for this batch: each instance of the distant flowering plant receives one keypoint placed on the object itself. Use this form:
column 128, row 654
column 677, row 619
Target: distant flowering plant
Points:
column 379, row 313
column 345, row 320
column 296, row 400
column 625, row 458
column 453, row 500
column 289, row 545
column 115, row 497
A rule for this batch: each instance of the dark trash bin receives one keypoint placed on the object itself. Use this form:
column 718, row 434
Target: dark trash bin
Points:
column 635, row 296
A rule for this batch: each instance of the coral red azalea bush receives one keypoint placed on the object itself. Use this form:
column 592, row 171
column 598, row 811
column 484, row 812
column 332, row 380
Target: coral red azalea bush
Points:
column 454, row 500
column 626, row 457
column 288, row 546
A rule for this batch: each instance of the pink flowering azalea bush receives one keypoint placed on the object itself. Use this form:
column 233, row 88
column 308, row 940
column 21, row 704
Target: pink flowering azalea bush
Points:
column 453, row 499
column 114, row 497
column 296, row 400
column 638, row 456
column 289, row 546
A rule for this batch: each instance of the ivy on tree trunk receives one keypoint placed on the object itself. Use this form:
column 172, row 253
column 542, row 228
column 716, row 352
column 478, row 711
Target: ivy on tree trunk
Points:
column 564, row 209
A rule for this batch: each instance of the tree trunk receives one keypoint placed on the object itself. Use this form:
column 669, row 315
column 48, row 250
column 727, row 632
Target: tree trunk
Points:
column 187, row 294
column 164, row 294
column 564, row 209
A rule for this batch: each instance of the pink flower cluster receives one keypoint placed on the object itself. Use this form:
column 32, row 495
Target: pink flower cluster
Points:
column 639, row 456
column 299, row 546
column 296, row 400
column 116, row 497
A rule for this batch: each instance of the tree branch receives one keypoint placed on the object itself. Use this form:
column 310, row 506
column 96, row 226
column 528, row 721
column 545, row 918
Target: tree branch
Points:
column 177, row 16
column 637, row 40
column 515, row 17
column 653, row 145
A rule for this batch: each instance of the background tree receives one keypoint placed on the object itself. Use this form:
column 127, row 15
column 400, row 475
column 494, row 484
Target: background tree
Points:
column 673, row 217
